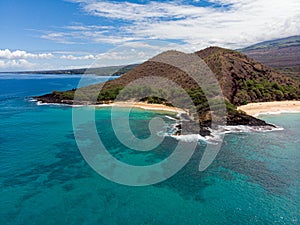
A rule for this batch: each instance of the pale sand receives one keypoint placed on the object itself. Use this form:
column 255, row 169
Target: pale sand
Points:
column 146, row 106
column 255, row 109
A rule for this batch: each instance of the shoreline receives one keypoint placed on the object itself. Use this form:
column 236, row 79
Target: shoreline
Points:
column 139, row 105
column 265, row 127
column 252, row 109
column 267, row 108
column 145, row 106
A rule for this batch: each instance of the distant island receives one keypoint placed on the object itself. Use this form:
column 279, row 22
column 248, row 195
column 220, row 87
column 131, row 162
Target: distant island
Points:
column 242, row 81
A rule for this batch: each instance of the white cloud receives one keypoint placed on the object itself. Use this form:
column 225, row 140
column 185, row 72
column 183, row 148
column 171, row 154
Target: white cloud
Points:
column 15, row 64
column 58, row 37
column 185, row 27
column 139, row 12
column 86, row 28
column 115, row 56
column 133, row 52
column 127, row 53
column 72, row 57
column 241, row 23
column 18, row 54
column 71, row 52
column 84, row 35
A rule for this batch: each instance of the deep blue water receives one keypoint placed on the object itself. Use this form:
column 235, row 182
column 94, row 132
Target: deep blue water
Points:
column 44, row 179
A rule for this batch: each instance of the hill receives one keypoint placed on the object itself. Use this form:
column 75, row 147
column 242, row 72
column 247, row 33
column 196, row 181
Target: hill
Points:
column 242, row 80
column 281, row 54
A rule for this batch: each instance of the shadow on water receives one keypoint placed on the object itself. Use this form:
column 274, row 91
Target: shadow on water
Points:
column 189, row 182
column 230, row 161
column 233, row 157
column 69, row 166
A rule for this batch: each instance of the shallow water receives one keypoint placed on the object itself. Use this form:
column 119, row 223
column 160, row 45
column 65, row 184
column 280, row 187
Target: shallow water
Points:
column 44, row 179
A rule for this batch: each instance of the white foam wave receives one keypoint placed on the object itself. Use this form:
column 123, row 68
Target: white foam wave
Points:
column 171, row 118
column 39, row 103
column 217, row 135
column 189, row 137
column 246, row 129
column 276, row 112
column 214, row 140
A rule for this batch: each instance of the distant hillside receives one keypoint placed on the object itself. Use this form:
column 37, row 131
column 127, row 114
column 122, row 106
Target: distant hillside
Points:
column 101, row 71
column 281, row 54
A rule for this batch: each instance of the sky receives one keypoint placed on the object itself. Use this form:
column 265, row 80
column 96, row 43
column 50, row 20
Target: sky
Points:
column 66, row 34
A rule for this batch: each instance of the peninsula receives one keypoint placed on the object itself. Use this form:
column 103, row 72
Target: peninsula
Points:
column 242, row 80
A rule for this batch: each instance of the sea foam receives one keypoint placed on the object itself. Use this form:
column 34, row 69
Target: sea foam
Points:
column 217, row 135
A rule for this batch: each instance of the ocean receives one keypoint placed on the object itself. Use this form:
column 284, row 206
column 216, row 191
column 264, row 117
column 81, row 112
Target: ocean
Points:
column 44, row 179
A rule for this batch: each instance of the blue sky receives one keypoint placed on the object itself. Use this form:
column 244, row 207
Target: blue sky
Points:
column 58, row 34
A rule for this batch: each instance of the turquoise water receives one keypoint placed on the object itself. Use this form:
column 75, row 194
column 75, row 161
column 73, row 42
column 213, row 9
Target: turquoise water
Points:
column 255, row 178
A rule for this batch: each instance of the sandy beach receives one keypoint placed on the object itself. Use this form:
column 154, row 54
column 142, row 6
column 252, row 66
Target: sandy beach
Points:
column 255, row 109
column 146, row 106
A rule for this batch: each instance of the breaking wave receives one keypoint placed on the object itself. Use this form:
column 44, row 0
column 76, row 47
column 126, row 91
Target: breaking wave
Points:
column 216, row 134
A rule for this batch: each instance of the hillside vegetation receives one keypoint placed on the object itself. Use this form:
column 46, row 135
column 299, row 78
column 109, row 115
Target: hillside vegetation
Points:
column 244, row 80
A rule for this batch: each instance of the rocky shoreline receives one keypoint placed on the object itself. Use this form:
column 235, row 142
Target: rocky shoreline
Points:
column 240, row 119
column 51, row 98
